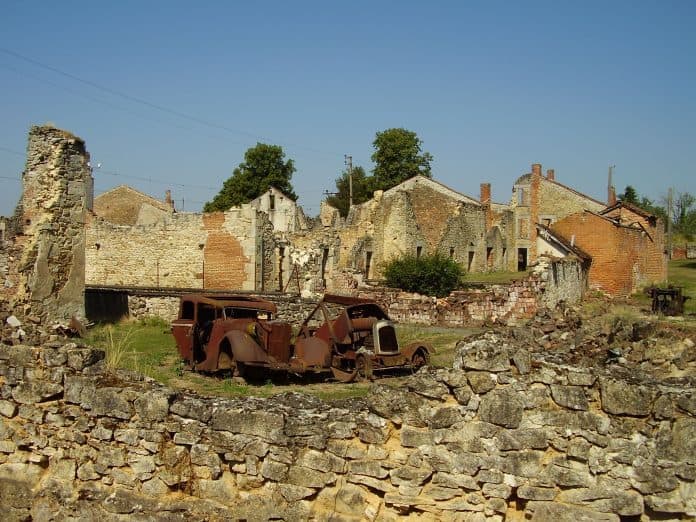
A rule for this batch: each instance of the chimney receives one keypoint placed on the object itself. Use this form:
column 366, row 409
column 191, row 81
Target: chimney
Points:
column 168, row 199
column 536, row 170
column 551, row 174
column 485, row 196
column 611, row 196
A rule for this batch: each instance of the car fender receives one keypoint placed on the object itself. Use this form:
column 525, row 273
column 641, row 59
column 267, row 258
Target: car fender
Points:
column 410, row 349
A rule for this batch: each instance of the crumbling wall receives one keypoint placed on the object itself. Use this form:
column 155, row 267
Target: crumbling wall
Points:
column 624, row 259
column 216, row 251
column 550, row 282
column 56, row 182
column 504, row 435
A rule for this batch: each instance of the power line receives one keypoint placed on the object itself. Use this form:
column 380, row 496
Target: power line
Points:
column 151, row 105
column 10, row 151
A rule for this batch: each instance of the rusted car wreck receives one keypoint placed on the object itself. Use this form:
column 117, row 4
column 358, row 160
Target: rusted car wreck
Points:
column 349, row 337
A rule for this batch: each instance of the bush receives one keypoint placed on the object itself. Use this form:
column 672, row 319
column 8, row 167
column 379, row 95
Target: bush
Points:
column 434, row 275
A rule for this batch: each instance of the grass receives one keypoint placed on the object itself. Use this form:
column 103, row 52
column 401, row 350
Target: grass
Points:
column 148, row 347
column 682, row 272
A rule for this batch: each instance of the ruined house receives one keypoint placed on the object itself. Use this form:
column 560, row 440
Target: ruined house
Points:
column 123, row 205
column 283, row 212
column 626, row 243
column 44, row 259
column 538, row 199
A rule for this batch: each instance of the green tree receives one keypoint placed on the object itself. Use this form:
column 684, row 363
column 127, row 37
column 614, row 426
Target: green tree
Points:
column 434, row 275
column 264, row 166
column 362, row 190
column 398, row 157
column 630, row 195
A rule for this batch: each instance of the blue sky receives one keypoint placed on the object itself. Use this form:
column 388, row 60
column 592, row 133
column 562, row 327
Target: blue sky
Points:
column 489, row 87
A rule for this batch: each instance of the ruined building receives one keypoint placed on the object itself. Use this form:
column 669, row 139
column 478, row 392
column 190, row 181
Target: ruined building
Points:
column 47, row 231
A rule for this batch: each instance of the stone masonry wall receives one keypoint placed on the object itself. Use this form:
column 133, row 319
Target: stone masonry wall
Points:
column 503, row 435
column 549, row 284
column 216, row 251
column 56, row 182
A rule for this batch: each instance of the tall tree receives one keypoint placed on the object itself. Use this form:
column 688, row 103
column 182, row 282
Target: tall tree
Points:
column 264, row 166
column 630, row 195
column 398, row 157
column 362, row 190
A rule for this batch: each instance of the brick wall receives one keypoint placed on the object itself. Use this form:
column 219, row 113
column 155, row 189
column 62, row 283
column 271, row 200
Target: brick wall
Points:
column 623, row 259
column 217, row 250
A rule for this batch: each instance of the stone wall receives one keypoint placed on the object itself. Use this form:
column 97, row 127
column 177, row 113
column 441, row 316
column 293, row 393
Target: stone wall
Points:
column 56, row 184
column 214, row 251
column 504, row 435
column 550, row 283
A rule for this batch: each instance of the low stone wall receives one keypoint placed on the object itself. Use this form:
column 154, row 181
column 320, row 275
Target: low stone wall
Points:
column 547, row 285
column 502, row 436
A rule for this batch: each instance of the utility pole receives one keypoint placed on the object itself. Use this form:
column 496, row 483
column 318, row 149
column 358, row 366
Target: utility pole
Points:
column 610, row 187
column 669, row 223
column 349, row 164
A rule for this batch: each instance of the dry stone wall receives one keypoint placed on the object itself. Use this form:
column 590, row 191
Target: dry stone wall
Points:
column 57, row 185
column 504, row 435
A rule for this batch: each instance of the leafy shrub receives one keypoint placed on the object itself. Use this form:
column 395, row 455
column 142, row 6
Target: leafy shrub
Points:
column 434, row 275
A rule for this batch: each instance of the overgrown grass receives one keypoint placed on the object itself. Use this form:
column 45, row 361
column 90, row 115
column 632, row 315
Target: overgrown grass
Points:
column 443, row 340
column 682, row 272
column 148, row 347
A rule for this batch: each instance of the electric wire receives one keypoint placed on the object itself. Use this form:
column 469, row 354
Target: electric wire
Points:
column 152, row 105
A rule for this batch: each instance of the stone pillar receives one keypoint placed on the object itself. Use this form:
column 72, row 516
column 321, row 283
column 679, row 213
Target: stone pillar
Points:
column 534, row 198
column 57, row 185
column 485, row 198
column 551, row 174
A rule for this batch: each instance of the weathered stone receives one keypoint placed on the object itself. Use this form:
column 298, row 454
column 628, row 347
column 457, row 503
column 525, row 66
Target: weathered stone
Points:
column 81, row 358
column 501, row 407
column 292, row 493
column 191, row 408
column 111, row 402
column 7, row 409
column 488, row 353
column 544, row 511
column 522, row 439
column 400, row 406
column 621, row 398
column 276, row 471
column 445, row 417
column 321, row 461
column 409, row 475
column 368, row 468
column 572, row 397
column 309, row 478
column 481, row 382
column 266, row 425
column 153, row 406
column 36, row 391
column 536, row 493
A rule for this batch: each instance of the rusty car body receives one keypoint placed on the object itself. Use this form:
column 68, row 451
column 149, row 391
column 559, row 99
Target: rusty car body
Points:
column 227, row 332
column 349, row 337
column 358, row 341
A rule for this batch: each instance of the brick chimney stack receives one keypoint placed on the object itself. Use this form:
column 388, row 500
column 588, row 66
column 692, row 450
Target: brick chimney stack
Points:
column 485, row 196
column 551, row 174
column 536, row 170
column 611, row 196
